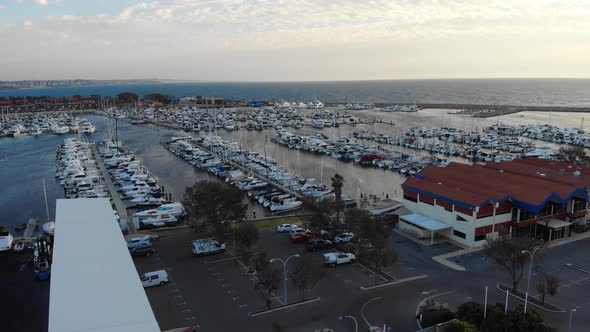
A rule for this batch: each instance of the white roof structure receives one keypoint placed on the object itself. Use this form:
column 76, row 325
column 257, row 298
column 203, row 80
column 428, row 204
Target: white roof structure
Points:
column 424, row 222
column 94, row 283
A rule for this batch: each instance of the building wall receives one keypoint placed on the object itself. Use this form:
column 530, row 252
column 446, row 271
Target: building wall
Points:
column 468, row 227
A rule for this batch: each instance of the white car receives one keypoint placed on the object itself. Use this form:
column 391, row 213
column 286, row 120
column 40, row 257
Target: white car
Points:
column 298, row 231
column 343, row 237
column 337, row 258
column 286, row 227
column 138, row 241
column 156, row 278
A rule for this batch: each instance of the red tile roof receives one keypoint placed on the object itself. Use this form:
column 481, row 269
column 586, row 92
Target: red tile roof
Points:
column 531, row 181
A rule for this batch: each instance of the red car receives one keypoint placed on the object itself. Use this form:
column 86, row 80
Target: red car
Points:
column 299, row 238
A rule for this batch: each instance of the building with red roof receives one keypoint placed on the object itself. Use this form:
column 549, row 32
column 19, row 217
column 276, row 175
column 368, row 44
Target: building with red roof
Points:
column 532, row 197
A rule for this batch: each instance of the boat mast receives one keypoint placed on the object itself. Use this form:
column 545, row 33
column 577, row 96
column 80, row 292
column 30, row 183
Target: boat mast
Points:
column 45, row 195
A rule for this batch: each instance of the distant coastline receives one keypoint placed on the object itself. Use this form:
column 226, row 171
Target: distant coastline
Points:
column 555, row 93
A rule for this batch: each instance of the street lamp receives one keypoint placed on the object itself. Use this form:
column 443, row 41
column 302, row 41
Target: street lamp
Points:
column 569, row 326
column 526, row 297
column 356, row 325
column 284, row 273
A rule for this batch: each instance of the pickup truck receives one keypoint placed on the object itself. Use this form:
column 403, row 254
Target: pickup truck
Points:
column 337, row 258
column 207, row 247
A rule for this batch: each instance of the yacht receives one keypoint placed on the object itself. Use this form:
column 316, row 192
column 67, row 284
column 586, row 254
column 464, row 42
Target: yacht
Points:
column 87, row 128
column 175, row 209
column 6, row 238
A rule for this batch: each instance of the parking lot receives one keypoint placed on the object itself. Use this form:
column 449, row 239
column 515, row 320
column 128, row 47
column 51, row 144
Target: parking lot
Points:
column 216, row 293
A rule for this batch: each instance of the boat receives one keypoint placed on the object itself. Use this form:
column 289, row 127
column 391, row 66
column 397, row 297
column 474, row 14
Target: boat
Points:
column 61, row 130
column 42, row 258
column 285, row 205
column 49, row 226
column 87, row 128
column 176, row 209
column 6, row 238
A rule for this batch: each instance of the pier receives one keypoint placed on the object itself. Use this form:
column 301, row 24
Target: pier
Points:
column 256, row 174
column 31, row 227
column 116, row 198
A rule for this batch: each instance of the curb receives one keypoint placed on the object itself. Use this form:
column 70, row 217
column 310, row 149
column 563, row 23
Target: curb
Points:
column 426, row 299
column 529, row 302
column 264, row 312
column 443, row 261
column 364, row 288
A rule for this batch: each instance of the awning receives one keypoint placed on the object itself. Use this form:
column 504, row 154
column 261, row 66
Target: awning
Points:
column 424, row 222
column 553, row 223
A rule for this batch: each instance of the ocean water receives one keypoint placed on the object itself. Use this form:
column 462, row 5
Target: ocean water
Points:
column 530, row 92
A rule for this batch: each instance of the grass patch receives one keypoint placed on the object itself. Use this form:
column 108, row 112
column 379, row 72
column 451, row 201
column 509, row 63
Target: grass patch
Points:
column 267, row 223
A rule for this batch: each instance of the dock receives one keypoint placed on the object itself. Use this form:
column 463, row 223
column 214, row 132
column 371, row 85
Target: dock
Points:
column 116, row 198
column 256, row 174
column 31, row 228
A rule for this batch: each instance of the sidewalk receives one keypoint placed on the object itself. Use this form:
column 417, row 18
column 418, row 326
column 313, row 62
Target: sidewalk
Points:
column 443, row 259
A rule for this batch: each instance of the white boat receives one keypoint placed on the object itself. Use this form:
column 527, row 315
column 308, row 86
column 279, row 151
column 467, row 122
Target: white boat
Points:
column 5, row 238
column 176, row 209
column 61, row 130
column 159, row 220
column 285, row 206
column 49, row 227
column 87, row 128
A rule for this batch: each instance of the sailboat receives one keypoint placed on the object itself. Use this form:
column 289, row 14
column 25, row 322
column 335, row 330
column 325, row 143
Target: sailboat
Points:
column 49, row 226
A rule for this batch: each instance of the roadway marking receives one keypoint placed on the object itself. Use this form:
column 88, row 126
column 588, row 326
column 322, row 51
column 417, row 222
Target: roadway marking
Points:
column 429, row 292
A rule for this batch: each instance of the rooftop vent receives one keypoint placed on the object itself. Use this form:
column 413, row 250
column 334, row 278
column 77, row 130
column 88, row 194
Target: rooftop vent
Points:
column 577, row 173
column 561, row 171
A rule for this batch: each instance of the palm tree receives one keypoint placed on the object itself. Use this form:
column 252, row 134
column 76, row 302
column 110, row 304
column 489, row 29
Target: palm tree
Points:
column 337, row 183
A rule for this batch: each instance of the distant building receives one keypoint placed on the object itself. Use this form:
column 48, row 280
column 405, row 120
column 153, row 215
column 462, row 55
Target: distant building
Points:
column 469, row 203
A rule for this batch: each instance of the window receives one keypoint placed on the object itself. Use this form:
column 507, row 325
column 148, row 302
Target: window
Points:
column 480, row 237
column 526, row 215
column 459, row 234
column 410, row 198
column 154, row 277
column 579, row 205
column 459, row 218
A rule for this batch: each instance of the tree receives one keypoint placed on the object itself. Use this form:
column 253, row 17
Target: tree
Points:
column 246, row 235
column 268, row 277
column 574, row 154
column 547, row 285
column 507, row 252
column 160, row 97
column 213, row 206
column 126, row 98
column 306, row 273
column 337, row 183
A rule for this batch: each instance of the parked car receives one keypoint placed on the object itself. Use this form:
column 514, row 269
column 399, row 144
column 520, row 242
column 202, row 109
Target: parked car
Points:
column 298, row 231
column 137, row 241
column 318, row 244
column 142, row 249
column 207, row 247
column 337, row 258
column 343, row 237
column 155, row 278
column 297, row 238
column 286, row 227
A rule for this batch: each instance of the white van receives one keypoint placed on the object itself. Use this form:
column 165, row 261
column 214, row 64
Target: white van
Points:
column 156, row 278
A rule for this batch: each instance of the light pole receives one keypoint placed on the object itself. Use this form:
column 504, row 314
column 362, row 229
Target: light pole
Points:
column 356, row 325
column 569, row 325
column 528, row 284
column 284, row 273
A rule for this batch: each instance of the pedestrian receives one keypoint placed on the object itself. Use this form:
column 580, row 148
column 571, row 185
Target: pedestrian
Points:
column 254, row 214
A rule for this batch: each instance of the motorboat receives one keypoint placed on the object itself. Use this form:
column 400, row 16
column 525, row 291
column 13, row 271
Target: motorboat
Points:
column 176, row 209
column 6, row 238
column 159, row 220
column 49, row 227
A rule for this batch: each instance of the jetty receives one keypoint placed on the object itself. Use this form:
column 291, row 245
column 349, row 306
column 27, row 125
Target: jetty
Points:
column 115, row 197
column 31, row 228
column 253, row 172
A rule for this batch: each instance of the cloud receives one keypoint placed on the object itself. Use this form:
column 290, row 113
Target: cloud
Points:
column 42, row 2
column 224, row 28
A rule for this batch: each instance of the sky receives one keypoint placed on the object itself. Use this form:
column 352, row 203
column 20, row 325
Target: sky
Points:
column 293, row 40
